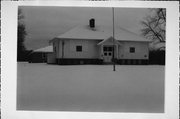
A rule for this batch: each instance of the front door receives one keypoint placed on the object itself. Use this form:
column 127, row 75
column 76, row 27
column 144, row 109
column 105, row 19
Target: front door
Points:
column 107, row 53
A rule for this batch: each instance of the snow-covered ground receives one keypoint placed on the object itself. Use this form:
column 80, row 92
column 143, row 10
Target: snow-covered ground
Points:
column 90, row 88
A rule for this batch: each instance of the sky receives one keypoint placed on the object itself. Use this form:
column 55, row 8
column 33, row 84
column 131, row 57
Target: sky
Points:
column 44, row 23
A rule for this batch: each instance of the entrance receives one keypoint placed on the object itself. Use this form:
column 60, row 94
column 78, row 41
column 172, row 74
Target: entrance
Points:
column 108, row 53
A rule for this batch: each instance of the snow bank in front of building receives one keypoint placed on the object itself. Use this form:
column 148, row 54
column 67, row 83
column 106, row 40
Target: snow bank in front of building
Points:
column 90, row 88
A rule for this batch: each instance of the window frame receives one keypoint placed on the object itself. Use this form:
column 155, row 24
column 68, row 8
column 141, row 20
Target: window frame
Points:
column 132, row 49
column 78, row 48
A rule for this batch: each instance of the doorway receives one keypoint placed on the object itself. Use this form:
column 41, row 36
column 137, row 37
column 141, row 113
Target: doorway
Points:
column 107, row 53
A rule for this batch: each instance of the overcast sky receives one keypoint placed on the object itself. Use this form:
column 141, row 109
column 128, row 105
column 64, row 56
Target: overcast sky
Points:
column 45, row 23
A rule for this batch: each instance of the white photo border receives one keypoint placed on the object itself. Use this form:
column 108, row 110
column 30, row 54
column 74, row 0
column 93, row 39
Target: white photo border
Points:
column 9, row 15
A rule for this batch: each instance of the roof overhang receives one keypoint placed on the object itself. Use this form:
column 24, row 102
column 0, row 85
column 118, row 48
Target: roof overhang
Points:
column 48, row 49
column 110, row 38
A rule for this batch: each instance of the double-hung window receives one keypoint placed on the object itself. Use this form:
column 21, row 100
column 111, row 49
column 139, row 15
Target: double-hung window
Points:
column 79, row 48
column 132, row 49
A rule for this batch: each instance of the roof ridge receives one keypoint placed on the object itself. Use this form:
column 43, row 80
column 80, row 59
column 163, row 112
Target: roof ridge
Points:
column 101, row 32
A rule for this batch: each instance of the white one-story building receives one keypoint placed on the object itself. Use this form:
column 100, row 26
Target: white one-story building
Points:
column 93, row 44
column 41, row 55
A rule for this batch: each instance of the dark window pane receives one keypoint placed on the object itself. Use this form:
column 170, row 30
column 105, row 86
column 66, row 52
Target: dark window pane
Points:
column 54, row 49
column 109, row 48
column 105, row 49
column 132, row 50
column 105, row 54
column 79, row 48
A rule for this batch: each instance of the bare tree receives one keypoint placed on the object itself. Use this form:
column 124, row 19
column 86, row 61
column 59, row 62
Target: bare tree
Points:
column 155, row 24
column 154, row 28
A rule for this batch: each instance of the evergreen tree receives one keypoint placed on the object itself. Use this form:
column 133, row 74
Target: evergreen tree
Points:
column 21, row 34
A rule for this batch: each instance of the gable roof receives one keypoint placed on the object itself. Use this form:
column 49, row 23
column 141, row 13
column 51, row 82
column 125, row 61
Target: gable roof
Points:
column 44, row 49
column 101, row 33
column 84, row 32
column 109, row 39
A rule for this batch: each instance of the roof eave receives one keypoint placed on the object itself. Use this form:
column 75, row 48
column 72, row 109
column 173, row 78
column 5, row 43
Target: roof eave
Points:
column 134, row 41
column 78, row 39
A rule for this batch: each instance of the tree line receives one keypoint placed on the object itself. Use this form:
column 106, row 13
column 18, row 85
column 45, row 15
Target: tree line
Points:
column 22, row 52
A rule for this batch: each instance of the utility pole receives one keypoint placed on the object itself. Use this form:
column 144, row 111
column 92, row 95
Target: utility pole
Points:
column 114, row 65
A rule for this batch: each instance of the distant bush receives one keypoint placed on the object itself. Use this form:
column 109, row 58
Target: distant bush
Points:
column 23, row 56
column 157, row 57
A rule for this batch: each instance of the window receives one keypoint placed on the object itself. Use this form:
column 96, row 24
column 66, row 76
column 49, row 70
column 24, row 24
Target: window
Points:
column 132, row 50
column 105, row 48
column 108, row 48
column 79, row 48
column 54, row 49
